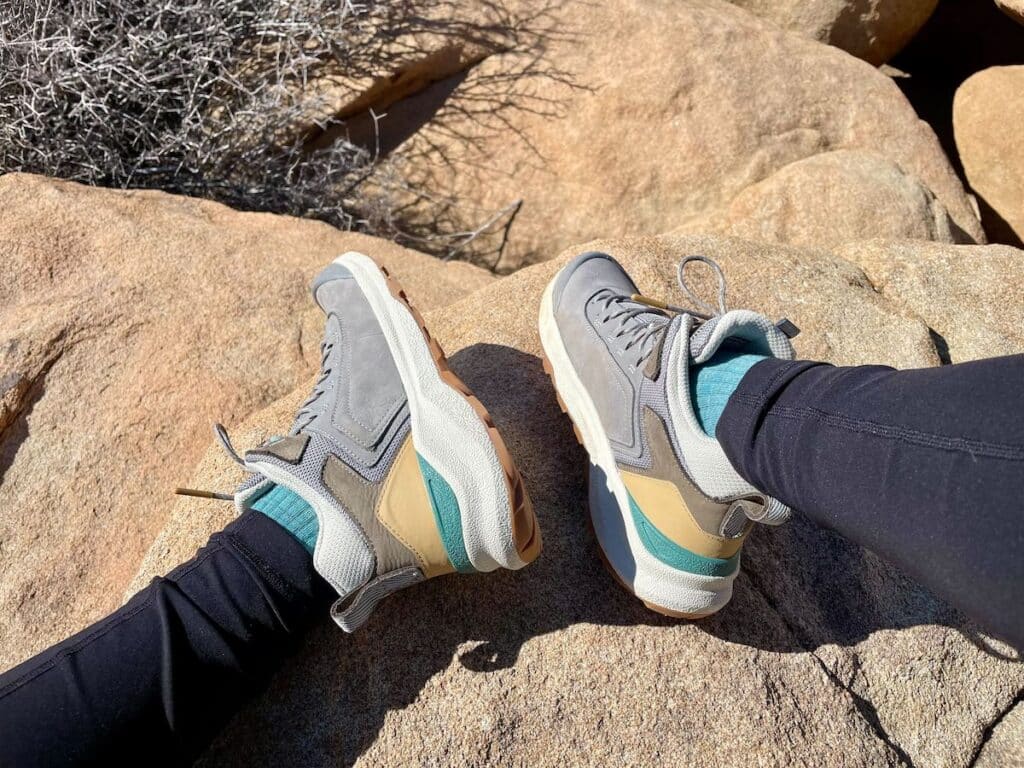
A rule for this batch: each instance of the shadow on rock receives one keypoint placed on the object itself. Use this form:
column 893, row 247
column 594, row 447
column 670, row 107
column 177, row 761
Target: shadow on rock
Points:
column 801, row 587
column 14, row 428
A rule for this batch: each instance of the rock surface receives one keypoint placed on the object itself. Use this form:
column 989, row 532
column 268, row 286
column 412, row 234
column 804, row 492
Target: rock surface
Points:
column 1005, row 747
column 971, row 297
column 128, row 323
column 1012, row 8
column 829, row 199
column 825, row 657
column 988, row 112
column 873, row 30
column 704, row 101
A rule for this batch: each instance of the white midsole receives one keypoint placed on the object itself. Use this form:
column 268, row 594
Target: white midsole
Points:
column 446, row 431
column 648, row 577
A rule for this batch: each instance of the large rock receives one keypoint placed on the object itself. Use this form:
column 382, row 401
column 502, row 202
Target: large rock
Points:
column 627, row 117
column 705, row 100
column 988, row 112
column 825, row 657
column 1005, row 745
column 830, row 199
column 873, row 30
column 128, row 323
column 970, row 297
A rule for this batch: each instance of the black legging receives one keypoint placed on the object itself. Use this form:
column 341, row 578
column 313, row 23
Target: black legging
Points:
column 924, row 467
column 152, row 683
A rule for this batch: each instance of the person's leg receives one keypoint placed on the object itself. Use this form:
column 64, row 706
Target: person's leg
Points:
column 154, row 681
column 924, row 467
column 392, row 473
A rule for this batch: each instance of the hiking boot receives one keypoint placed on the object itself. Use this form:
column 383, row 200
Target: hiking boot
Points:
column 669, row 511
column 406, row 472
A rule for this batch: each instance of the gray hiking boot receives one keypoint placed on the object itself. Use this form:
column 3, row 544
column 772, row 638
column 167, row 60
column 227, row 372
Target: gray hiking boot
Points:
column 403, row 467
column 669, row 510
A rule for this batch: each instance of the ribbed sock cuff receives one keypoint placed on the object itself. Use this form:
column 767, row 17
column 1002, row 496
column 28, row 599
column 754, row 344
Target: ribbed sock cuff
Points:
column 291, row 512
column 712, row 384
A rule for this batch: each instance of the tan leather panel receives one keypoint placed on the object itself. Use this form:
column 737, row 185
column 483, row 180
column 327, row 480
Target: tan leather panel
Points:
column 405, row 510
column 665, row 466
column 663, row 504
column 359, row 497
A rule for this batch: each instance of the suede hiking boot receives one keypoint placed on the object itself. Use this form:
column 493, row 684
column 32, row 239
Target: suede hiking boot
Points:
column 669, row 511
column 407, row 475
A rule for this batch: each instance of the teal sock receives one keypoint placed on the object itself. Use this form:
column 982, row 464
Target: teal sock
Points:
column 712, row 384
column 288, row 510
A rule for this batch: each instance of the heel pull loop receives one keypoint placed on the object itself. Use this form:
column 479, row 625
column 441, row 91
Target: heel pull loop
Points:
column 351, row 611
column 788, row 327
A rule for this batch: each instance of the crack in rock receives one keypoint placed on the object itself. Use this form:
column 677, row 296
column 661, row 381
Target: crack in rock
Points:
column 865, row 708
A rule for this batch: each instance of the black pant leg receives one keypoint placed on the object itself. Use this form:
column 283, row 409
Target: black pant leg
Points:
column 924, row 467
column 153, row 682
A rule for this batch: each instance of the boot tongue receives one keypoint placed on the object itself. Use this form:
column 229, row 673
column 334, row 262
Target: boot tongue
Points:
column 759, row 335
column 621, row 297
column 653, row 316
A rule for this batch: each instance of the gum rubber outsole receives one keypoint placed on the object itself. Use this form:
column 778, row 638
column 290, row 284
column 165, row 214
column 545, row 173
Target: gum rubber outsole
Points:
column 525, row 528
column 550, row 371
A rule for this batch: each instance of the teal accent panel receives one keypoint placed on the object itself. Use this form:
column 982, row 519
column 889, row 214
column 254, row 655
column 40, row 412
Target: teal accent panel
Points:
column 288, row 510
column 680, row 558
column 447, row 516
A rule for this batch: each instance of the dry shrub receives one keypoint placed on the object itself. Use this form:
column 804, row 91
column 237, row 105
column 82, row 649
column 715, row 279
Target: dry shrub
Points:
column 213, row 98
column 188, row 96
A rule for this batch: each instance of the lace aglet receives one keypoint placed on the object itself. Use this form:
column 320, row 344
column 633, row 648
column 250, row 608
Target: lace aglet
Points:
column 204, row 494
column 639, row 299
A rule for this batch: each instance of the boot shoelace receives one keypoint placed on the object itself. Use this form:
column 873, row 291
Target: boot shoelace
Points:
column 643, row 320
column 302, row 419
column 305, row 410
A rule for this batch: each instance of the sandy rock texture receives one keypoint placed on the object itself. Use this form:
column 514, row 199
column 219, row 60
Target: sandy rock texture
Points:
column 988, row 112
column 128, row 323
column 825, row 657
column 829, row 199
column 970, row 297
column 687, row 106
column 873, row 30
column 1005, row 746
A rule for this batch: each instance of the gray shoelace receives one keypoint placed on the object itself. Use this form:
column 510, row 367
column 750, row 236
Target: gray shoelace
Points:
column 221, row 434
column 639, row 323
column 642, row 321
column 306, row 413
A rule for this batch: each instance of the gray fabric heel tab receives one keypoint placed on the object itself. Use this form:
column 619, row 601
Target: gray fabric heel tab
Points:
column 351, row 611
column 788, row 327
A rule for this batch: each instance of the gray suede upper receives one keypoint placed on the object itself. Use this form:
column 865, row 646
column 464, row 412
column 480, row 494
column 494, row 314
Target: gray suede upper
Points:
column 608, row 370
column 620, row 350
column 362, row 411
